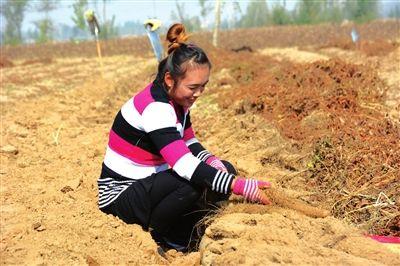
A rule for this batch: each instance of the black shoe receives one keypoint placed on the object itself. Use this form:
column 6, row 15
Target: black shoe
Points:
column 176, row 246
column 161, row 252
column 165, row 243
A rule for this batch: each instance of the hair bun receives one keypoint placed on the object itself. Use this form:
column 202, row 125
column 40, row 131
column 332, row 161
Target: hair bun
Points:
column 176, row 36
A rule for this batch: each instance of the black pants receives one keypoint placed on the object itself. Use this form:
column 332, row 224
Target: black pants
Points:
column 167, row 204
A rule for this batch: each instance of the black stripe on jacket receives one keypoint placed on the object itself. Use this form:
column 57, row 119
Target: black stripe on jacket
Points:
column 164, row 136
column 133, row 135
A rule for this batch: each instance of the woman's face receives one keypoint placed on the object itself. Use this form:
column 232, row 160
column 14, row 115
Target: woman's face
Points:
column 186, row 91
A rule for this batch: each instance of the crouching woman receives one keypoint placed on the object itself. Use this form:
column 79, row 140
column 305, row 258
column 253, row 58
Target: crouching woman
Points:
column 155, row 171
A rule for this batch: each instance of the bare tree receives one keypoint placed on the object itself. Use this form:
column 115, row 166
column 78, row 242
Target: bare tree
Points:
column 78, row 17
column 217, row 21
column 205, row 9
column 108, row 28
column 104, row 11
column 45, row 25
column 191, row 23
column 13, row 12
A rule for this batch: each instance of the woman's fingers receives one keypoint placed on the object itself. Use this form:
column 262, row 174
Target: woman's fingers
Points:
column 264, row 200
column 251, row 189
column 264, row 184
column 261, row 197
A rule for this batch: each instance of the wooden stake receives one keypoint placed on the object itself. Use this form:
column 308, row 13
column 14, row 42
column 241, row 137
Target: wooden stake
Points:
column 99, row 53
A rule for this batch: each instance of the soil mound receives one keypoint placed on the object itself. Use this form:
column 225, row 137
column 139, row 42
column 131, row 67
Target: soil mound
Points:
column 44, row 60
column 5, row 62
column 300, row 240
column 296, row 91
column 379, row 47
column 333, row 107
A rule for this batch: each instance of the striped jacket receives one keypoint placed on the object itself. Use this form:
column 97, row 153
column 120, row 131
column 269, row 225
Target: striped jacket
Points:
column 151, row 134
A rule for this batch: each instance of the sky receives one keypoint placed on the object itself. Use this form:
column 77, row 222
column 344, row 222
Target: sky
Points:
column 132, row 10
column 124, row 10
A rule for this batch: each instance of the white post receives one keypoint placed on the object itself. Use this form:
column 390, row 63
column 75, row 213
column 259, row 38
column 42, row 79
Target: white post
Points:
column 217, row 20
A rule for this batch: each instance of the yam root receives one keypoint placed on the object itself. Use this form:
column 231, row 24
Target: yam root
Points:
column 279, row 197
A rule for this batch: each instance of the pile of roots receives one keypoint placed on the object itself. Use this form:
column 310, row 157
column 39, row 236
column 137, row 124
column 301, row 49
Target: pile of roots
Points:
column 360, row 177
column 357, row 163
column 336, row 109
column 308, row 102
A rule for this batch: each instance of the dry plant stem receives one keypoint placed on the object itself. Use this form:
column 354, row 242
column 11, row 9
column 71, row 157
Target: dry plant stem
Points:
column 280, row 198
column 56, row 135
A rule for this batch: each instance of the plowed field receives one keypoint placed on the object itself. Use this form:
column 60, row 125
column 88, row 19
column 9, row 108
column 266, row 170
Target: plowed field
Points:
column 305, row 109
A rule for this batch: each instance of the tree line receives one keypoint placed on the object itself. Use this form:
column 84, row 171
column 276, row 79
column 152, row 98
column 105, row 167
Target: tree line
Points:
column 13, row 11
column 259, row 13
column 255, row 14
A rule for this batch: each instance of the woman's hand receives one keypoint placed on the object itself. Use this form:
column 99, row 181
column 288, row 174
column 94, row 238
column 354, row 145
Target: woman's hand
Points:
column 216, row 163
column 250, row 189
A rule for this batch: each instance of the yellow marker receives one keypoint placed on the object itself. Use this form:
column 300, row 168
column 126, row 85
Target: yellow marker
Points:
column 89, row 15
column 153, row 23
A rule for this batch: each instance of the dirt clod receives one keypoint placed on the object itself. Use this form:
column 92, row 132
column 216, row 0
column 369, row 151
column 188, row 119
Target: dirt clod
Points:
column 9, row 149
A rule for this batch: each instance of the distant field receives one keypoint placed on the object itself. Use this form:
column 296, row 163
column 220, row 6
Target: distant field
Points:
column 256, row 38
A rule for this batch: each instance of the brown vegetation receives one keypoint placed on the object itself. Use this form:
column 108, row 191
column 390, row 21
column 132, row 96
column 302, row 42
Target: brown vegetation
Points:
column 5, row 62
column 333, row 106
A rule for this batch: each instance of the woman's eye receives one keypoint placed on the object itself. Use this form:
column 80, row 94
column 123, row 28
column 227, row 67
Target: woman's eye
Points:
column 201, row 88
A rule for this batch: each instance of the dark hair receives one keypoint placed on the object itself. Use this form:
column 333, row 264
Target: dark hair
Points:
column 180, row 55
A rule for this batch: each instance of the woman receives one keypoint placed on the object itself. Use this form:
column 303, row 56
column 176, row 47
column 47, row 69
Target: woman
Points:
column 155, row 170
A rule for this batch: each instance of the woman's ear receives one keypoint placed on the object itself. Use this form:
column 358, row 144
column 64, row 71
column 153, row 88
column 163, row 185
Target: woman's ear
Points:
column 169, row 81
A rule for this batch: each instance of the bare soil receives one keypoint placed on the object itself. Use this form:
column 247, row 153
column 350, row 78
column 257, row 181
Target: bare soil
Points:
column 267, row 114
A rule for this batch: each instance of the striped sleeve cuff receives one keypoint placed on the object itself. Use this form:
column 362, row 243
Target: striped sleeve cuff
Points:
column 204, row 155
column 222, row 182
column 217, row 180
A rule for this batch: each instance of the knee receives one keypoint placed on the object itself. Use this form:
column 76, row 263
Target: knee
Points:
column 189, row 193
column 231, row 169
